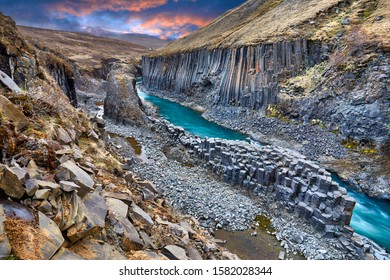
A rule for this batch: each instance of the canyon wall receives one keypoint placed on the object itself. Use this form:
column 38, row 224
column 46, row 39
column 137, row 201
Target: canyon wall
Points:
column 281, row 175
column 246, row 77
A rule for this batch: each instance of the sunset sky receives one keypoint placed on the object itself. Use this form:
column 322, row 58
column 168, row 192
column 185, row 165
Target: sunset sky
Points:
column 167, row 19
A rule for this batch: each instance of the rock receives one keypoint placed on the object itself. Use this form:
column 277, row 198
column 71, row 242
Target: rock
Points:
column 149, row 186
column 46, row 184
column 42, row 194
column 32, row 169
column 95, row 250
column 9, row 111
column 70, row 170
column 63, row 136
column 193, row 253
column 131, row 238
column 68, row 186
column 117, row 207
column 10, row 182
column 69, row 211
column 5, row 246
column 149, row 244
column 66, row 255
column 173, row 252
column 282, row 255
column 121, row 196
column 141, row 215
column 94, row 210
column 31, row 187
column 52, row 237
column 8, row 82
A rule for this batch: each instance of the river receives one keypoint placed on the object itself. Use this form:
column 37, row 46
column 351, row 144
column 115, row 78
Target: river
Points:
column 371, row 217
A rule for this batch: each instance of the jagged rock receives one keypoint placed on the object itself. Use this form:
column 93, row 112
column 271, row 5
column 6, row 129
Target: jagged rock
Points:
column 68, row 186
column 70, row 170
column 174, row 252
column 149, row 186
column 117, row 207
column 11, row 181
column 131, row 238
column 45, row 207
column 121, row 196
column 5, row 246
column 69, row 211
column 31, row 187
column 47, row 184
column 52, row 237
column 147, row 241
column 193, row 253
column 32, row 169
column 95, row 250
column 12, row 113
column 42, row 194
column 63, row 136
column 8, row 82
column 282, row 255
column 149, row 255
column 94, row 210
column 66, row 255
column 141, row 215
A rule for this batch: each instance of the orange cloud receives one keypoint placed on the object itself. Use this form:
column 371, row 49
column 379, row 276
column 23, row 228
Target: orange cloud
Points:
column 165, row 25
column 86, row 7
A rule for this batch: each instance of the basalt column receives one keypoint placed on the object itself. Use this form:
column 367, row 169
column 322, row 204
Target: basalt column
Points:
column 245, row 77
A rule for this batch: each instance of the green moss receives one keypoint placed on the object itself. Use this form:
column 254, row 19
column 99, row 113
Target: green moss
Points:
column 273, row 111
column 265, row 223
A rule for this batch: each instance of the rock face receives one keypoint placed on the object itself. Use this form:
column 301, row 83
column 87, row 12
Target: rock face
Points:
column 244, row 77
column 122, row 103
column 280, row 174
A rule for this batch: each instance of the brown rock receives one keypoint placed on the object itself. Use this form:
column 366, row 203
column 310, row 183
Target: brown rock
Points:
column 94, row 250
column 63, row 136
column 12, row 113
column 11, row 182
column 173, row 252
column 66, row 255
column 70, row 171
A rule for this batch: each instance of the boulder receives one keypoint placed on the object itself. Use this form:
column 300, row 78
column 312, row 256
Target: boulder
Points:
column 131, row 238
column 96, row 250
column 117, row 207
column 11, row 181
column 66, row 255
column 70, row 170
column 68, row 186
column 5, row 246
column 141, row 216
column 193, row 253
column 12, row 113
column 8, row 82
column 173, row 252
column 63, row 136
column 94, row 212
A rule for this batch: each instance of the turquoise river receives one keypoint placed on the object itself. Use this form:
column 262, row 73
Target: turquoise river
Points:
column 371, row 217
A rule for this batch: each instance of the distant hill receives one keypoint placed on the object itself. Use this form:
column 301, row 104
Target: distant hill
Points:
column 145, row 40
column 87, row 50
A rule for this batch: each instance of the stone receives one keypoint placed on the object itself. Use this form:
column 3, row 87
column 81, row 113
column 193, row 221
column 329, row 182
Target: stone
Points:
column 63, row 136
column 149, row 244
column 9, row 111
column 42, row 194
column 282, row 255
column 52, row 237
column 78, row 176
column 8, row 82
column 31, row 187
column 141, row 215
column 94, row 210
column 69, row 211
column 96, row 250
column 46, row 184
column 149, row 186
column 11, row 182
column 124, row 197
column 131, row 238
column 65, row 254
column 117, row 207
column 5, row 246
column 174, row 252
column 193, row 253
column 32, row 169
column 68, row 186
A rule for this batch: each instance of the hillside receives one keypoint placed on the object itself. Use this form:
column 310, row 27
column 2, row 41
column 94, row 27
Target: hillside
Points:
column 87, row 50
column 264, row 21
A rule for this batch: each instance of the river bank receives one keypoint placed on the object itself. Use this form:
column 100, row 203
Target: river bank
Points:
column 361, row 169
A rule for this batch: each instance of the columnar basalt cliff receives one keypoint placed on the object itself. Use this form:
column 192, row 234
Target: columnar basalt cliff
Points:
column 247, row 77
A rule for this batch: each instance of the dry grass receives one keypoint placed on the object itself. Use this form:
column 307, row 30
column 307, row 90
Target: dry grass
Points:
column 87, row 51
column 267, row 21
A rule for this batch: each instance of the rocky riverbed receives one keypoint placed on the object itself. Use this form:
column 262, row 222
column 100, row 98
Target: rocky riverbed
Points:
column 191, row 188
column 361, row 168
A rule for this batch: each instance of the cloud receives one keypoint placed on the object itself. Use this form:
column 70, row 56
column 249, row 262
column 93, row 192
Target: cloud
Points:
column 87, row 7
column 168, row 25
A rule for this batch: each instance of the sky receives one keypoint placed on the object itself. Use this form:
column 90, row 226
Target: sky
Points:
column 166, row 19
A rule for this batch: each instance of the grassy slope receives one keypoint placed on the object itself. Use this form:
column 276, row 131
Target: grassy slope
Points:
column 262, row 21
